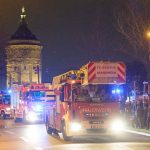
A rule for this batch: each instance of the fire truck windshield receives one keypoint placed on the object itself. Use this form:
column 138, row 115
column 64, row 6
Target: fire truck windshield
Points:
column 37, row 95
column 98, row 93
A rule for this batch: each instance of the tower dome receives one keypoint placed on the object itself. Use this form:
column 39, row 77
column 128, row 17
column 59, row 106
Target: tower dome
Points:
column 23, row 34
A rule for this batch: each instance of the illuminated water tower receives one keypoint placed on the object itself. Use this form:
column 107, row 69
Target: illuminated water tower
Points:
column 23, row 53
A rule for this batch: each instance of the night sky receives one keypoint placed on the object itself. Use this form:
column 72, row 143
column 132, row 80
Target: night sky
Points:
column 68, row 30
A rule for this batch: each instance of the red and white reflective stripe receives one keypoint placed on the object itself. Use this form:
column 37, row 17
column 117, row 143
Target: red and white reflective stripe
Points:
column 91, row 71
column 121, row 72
column 57, row 92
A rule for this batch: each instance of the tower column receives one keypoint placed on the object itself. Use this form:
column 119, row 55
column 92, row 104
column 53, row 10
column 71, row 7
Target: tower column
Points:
column 30, row 73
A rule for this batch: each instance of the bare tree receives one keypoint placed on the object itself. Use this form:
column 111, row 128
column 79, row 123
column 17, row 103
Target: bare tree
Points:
column 133, row 21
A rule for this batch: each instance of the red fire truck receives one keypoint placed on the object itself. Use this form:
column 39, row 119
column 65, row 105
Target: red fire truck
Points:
column 29, row 102
column 5, row 110
column 87, row 100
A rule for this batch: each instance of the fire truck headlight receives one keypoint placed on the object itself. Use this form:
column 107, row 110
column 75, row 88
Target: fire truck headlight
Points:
column 32, row 116
column 39, row 108
column 75, row 126
column 8, row 109
column 118, row 125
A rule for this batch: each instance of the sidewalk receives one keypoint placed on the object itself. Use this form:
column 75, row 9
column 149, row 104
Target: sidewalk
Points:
column 138, row 131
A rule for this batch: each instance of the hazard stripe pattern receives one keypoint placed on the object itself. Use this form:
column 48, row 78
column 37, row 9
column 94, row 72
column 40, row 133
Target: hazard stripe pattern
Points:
column 91, row 71
column 121, row 72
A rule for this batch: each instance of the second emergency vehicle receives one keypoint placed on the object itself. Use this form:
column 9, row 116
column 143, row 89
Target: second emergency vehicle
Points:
column 5, row 106
column 29, row 102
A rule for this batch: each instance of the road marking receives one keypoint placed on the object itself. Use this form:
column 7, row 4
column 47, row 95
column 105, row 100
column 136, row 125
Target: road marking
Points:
column 125, row 147
column 141, row 133
column 9, row 132
column 24, row 139
column 38, row 148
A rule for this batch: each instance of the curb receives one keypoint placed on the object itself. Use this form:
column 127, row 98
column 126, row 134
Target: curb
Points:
column 136, row 132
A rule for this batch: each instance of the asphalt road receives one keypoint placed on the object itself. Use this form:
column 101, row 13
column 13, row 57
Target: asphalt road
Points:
column 18, row 136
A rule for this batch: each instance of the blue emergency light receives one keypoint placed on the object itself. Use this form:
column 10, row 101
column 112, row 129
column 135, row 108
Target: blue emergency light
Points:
column 117, row 90
column 9, row 91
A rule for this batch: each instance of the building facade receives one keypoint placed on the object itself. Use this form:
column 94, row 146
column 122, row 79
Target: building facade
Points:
column 23, row 52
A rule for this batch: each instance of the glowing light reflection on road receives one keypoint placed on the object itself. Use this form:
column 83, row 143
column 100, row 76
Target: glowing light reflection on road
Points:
column 33, row 133
column 36, row 134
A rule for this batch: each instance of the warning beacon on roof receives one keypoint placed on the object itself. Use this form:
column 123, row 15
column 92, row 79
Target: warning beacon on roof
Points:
column 106, row 73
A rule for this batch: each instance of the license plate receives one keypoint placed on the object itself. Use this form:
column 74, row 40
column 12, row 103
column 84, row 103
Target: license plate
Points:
column 96, row 126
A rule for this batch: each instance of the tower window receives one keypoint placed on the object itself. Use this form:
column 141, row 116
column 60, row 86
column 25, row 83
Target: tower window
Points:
column 15, row 68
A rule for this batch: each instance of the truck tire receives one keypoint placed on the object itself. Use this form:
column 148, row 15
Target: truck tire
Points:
column 48, row 128
column 3, row 115
column 64, row 133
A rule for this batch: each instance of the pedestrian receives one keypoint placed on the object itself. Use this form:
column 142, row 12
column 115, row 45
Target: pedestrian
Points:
column 133, row 114
column 128, row 112
column 145, row 111
column 139, row 113
column 148, row 115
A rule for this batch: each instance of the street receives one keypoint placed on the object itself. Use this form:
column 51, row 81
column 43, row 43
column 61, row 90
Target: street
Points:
column 19, row 136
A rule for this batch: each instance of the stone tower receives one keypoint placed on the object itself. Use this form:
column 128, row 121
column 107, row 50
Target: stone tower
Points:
column 23, row 53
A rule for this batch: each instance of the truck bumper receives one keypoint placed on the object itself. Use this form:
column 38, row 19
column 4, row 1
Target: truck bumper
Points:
column 86, row 132
column 19, row 115
column 77, row 128
column 7, row 114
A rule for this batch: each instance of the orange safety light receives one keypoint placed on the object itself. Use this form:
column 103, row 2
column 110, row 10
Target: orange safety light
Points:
column 73, row 81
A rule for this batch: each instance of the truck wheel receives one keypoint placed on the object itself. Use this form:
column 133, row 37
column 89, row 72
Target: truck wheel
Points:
column 48, row 128
column 64, row 133
column 3, row 115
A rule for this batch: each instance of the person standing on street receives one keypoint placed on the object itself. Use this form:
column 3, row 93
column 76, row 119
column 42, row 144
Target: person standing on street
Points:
column 148, row 115
column 145, row 106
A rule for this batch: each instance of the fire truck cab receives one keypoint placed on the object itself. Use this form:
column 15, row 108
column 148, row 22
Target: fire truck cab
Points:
column 87, row 101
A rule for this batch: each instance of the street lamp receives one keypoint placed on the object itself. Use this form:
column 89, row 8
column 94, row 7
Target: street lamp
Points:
column 148, row 38
column 148, row 34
